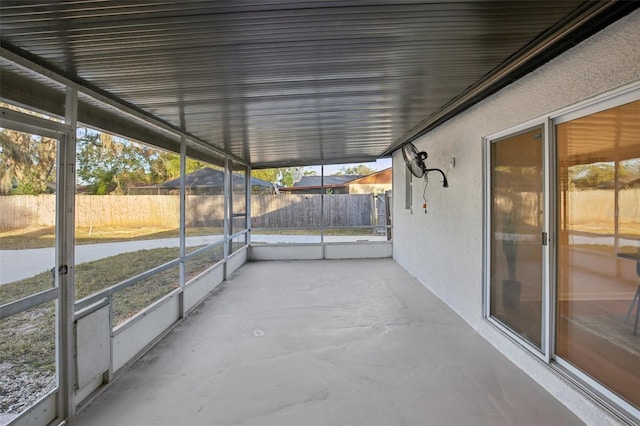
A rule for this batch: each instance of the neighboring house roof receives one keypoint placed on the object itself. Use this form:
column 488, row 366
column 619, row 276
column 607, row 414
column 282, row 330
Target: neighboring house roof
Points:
column 208, row 177
column 632, row 183
column 329, row 181
column 380, row 177
column 635, row 183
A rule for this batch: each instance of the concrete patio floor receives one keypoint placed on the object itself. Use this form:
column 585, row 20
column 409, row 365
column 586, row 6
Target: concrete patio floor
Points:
column 347, row 342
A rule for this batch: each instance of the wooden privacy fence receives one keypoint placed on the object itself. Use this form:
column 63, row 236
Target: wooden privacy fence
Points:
column 22, row 211
column 598, row 207
column 163, row 211
column 268, row 211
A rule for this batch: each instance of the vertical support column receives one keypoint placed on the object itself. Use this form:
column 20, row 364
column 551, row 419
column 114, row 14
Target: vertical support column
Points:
column 387, row 213
column 322, row 212
column 373, row 216
column 247, row 204
column 65, row 261
column 183, row 219
column 227, row 203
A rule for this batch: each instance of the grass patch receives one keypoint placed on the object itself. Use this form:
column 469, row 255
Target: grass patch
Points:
column 17, row 239
column 27, row 340
column 92, row 277
column 31, row 238
column 97, row 275
column 327, row 231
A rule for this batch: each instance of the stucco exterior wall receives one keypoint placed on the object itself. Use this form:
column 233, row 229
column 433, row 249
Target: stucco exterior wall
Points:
column 443, row 248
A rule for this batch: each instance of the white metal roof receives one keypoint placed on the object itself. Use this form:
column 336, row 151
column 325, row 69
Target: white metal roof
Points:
column 279, row 83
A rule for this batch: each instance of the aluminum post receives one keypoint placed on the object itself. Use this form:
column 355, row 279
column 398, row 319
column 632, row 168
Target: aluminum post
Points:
column 65, row 261
column 227, row 203
column 183, row 219
column 247, row 205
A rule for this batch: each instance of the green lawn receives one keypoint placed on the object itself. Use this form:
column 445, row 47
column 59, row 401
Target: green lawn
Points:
column 327, row 231
column 44, row 237
column 27, row 340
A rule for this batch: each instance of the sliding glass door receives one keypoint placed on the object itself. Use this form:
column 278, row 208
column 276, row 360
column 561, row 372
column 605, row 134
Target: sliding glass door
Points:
column 516, row 233
column 598, row 273
column 572, row 295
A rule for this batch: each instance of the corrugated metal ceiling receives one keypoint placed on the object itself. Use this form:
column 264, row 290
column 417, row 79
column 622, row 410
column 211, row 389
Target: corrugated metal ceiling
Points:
column 279, row 82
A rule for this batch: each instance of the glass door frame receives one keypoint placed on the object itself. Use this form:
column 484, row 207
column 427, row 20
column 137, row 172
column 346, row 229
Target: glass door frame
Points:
column 544, row 352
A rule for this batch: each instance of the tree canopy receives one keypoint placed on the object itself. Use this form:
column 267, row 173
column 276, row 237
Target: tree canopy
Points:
column 602, row 175
column 27, row 163
column 283, row 176
column 105, row 164
column 360, row 169
column 111, row 165
column 108, row 164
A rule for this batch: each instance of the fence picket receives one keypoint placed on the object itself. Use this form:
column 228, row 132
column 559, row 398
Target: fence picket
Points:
column 268, row 211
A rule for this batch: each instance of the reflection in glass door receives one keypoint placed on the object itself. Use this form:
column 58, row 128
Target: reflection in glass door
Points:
column 598, row 272
column 516, row 253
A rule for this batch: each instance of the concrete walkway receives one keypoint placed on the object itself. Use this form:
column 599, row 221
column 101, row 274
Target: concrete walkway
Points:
column 357, row 342
column 19, row 264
